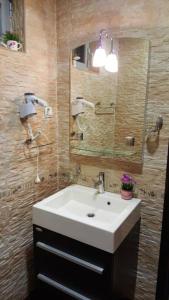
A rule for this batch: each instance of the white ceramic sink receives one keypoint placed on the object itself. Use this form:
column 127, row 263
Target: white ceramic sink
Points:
column 100, row 220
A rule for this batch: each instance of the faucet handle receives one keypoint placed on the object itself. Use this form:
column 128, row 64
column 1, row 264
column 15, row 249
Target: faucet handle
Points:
column 97, row 183
column 101, row 176
column 101, row 182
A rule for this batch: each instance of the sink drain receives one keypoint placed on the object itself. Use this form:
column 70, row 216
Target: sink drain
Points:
column 91, row 215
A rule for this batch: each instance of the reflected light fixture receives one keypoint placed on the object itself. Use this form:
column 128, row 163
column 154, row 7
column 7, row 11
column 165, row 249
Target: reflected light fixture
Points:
column 99, row 57
column 111, row 64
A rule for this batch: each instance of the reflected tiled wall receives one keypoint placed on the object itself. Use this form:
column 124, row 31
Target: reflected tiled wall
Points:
column 78, row 21
column 94, row 87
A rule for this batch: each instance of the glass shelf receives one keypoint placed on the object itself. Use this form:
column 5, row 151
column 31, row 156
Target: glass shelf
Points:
column 102, row 152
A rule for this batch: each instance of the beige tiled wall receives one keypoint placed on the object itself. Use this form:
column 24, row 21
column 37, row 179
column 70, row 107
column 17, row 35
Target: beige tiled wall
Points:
column 78, row 21
column 34, row 70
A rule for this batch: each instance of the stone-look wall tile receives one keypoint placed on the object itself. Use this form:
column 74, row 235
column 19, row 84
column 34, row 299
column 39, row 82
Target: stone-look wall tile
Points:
column 34, row 70
column 16, row 268
column 63, row 52
column 144, row 19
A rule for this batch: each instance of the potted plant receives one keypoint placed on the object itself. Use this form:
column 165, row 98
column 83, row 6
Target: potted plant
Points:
column 11, row 40
column 127, row 187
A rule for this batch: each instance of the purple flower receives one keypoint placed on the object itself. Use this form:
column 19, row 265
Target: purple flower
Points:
column 127, row 179
column 127, row 182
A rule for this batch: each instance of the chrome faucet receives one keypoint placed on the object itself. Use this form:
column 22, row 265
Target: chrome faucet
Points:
column 100, row 184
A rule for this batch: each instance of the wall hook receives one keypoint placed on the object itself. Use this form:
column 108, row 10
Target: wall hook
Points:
column 157, row 128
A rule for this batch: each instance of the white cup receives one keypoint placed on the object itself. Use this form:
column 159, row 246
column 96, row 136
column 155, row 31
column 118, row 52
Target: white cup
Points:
column 14, row 45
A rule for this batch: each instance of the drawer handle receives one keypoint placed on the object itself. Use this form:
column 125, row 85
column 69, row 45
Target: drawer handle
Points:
column 61, row 287
column 70, row 258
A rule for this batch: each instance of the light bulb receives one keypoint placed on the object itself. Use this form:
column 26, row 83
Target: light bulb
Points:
column 111, row 64
column 99, row 58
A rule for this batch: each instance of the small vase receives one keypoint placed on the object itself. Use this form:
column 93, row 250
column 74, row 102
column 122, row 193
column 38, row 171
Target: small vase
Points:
column 126, row 195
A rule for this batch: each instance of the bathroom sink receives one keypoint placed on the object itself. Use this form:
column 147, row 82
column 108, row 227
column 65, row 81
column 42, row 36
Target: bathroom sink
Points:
column 100, row 220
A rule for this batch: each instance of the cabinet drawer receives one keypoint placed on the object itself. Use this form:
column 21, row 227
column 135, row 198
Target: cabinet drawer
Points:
column 74, row 259
column 69, row 292
column 90, row 257
column 74, row 293
column 69, row 273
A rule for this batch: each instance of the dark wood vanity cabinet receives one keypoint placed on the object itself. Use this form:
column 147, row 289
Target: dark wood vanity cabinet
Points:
column 68, row 269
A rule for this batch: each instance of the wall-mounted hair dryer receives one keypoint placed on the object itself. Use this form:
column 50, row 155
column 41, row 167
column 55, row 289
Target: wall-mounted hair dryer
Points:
column 28, row 110
column 79, row 105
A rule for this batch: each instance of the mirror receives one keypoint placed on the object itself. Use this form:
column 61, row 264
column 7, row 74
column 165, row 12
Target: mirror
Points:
column 12, row 24
column 108, row 108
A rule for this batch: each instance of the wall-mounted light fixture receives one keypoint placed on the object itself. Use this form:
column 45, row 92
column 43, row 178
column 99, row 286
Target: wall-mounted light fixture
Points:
column 100, row 59
column 111, row 64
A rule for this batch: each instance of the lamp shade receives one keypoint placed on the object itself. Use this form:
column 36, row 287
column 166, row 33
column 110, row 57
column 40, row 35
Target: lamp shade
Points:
column 99, row 58
column 27, row 110
column 111, row 64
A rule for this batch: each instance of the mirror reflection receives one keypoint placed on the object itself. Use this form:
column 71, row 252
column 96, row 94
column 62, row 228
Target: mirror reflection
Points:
column 12, row 24
column 108, row 96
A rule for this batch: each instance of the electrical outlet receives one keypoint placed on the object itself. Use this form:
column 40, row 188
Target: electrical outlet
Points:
column 48, row 112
